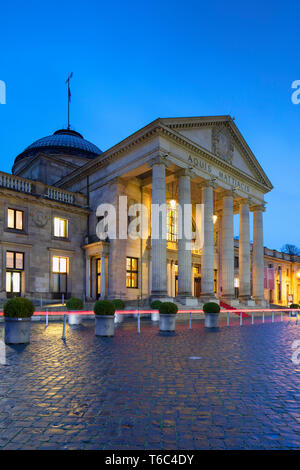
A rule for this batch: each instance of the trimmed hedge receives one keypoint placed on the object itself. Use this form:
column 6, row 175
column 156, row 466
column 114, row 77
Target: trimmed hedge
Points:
column 168, row 308
column 294, row 306
column 211, row 307
column 18, row 307
column 155, row 304
column 74, row 304
column 119, row 304
column 104, row 307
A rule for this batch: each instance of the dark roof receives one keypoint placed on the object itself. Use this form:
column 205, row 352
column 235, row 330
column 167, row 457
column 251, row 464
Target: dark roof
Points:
column 63, row 141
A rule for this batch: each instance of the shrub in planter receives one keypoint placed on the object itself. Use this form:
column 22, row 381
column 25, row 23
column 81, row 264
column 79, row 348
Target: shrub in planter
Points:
column 167, row 318
column 211, row 310
column 18, row 307
column 294, row 306
column 17, row 315
column 74, row 304
column 104, row 318
column 211, row 307
column 119, row 304
column 155, row 304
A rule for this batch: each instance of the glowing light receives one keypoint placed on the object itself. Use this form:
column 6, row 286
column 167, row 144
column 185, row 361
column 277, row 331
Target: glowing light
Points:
column 236, row 282
column 172, row 203
column 298, row 274
column 215, row 217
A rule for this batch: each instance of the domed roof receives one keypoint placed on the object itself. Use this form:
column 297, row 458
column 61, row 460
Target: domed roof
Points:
column 63, row 141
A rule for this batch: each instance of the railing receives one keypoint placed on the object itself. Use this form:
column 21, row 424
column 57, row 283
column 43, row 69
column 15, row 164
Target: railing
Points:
column 15, row 183
column 61, row 196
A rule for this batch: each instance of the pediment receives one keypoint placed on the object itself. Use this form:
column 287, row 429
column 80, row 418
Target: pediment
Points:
column 220, row 137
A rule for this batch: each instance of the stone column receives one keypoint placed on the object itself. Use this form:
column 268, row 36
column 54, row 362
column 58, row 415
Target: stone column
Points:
column 208, row 254
column 184, row 237
column 88, row 277
column 159, row 244
column 258, row 254
column 103, row 276
column 244, row 251
column 227, row 255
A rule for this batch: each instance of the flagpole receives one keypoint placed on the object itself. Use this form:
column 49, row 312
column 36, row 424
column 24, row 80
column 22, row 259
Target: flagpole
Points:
column 69, row 97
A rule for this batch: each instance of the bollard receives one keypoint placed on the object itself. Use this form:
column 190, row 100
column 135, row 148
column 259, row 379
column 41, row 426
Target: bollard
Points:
column 64, row 328
column 46, row 318
column 63, row 299
column 190, row 322
column 252, row 318
column 272, row 317
column 296, row 318
column 227, row 318
column 281, row 316
column 263, row 317
column 139, row 323
column 41, row 300
column 241, row 318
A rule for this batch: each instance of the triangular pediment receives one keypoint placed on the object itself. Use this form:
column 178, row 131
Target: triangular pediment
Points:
column 219, row 136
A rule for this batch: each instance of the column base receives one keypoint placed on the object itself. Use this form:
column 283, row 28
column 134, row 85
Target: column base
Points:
column 161, row 295
column 187, row 300
column 231, row 301
column 209, row 297
column 261, row 302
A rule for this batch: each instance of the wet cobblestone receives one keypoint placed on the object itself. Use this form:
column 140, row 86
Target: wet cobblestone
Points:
column 144, row 392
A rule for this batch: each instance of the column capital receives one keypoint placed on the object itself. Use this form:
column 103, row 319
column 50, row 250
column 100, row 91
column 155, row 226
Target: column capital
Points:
column 258, row 207
column 184, row 172
column 247, row 201
column 208, row 184
column 229, row 193
column 159, row 159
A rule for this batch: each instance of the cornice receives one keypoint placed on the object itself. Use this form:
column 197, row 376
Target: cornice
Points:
column 161, row 127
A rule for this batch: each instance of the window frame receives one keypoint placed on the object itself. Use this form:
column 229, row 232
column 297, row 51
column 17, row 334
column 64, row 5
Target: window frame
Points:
column 66, row 228
column 131, row 272
column 15, row 210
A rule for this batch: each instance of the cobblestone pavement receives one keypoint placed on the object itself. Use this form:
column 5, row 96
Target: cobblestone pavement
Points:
column 145, row 392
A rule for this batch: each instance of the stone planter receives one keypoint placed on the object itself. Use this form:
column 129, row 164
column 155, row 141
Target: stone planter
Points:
column 17, row 330
column 74, row 318
column 119, row 318
column 104, row 325
column 167, row 321
column 211, row 320
column 155, row 316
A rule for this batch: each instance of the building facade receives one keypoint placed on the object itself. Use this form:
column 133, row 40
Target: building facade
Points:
column 49, row 216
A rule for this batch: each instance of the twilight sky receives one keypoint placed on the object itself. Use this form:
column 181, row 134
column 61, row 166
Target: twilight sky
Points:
column 136, row 61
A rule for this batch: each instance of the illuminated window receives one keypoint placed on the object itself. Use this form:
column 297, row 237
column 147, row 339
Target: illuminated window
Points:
column 98, row 274
column 132, row 272
column 60, row 268
column 14, row 266
column 15, row 219
column 60, row 227
column 171, row 223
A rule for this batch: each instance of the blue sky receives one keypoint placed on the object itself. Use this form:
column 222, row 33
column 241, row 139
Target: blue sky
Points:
column 136, row 61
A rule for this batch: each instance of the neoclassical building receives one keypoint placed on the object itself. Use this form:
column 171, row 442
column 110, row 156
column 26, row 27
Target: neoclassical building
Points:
column 48, row 218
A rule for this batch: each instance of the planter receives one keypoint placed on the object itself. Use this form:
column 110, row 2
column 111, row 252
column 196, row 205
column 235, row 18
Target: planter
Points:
column 104, row 325
column 211, row 320
column 74, row 318
column 17, row 330
column 167, row 321
column 155, row 316
column 119, row 318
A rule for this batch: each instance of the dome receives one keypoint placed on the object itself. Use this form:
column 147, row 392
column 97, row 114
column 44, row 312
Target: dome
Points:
column 63, row 141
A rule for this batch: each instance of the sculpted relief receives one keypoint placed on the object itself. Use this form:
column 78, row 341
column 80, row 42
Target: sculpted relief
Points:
column 40, row 219
column 222, row 143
